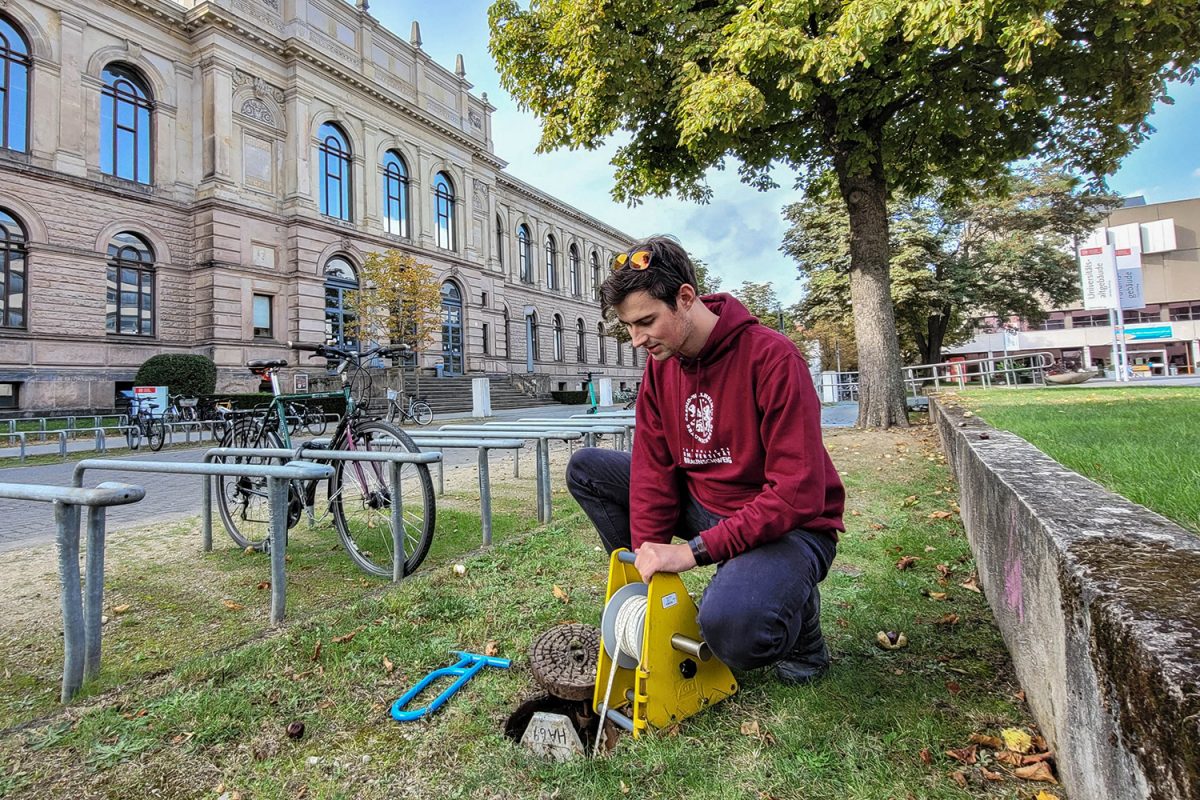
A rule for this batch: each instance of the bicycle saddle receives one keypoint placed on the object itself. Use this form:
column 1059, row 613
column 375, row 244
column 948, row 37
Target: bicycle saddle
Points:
column 267, row 363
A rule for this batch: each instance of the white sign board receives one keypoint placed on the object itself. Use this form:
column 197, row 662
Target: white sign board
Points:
column 1098, row 276
column 153, row 399
column 1129, row 277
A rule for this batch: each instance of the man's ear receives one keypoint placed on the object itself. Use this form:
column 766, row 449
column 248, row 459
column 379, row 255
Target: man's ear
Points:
column 686, row 296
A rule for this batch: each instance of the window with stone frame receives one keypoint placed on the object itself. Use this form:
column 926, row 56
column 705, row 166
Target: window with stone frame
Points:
column 12, row 271
column 558, row 338
column 575, row 272
column 334, row 171
column 14, row 87
column 129, row 292
column 596, row 281
column 580, row 342
column 525, row 254
column 395, row 193
column 551, row 263
column 126, row 124
column 341, row 281
column 443, row 211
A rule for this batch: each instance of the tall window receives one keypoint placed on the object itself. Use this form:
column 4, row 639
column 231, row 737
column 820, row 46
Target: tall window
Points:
column 333, row 162
column 443, row 210
column 603, row 346
column 551, row 263
column 340, row 282
column 129, row 302
column 125, row 132
column 525, row 253
column 499, row 241
column 534, row 344
column 14, row 87
column 558, row 338
column 575, row 271
column 507, row 335
column 595, row 276
column 395, row 194
column 262, row 318
column 12, row 272
column 580, row 345
column 620, row 353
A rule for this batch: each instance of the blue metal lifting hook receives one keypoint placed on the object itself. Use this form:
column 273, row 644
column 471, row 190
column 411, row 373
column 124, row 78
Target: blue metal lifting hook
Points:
column 468, row 664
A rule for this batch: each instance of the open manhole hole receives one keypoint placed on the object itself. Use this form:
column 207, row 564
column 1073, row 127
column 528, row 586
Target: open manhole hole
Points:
column 563, row 660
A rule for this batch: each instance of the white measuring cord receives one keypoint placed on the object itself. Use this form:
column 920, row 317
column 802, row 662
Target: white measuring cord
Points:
column 628, row 627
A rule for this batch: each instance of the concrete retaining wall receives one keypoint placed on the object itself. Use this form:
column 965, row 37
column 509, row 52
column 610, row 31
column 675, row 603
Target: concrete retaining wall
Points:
column 1098, row 600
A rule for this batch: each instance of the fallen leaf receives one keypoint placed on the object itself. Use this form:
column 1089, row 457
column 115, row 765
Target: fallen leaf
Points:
column 121, row 609
column 1017, row 740
column 926, row 756
column 987, row 741
column 460, row 569
column 943, row 570
column 1036, row 772
column 1033, row 759
column 316, row 652
column 345, row 637
column 491, row 649
column 1039, row 743
column 940, row 515
column 624, row 788
column 891, row 640
column 1044, row 795
column 971, row 584
column 856, row 513
column 1020, row 696
column 991, row 776
column 232, row 606
column 959, row 778
column 929, row 548
column 1009, row 757
column 875, row 526
column 937, row 595
column 560, row 594
column 952, row 687
column 750, row 728
column 906, row 562
column 947, row 619
column 911, row 500
column 842, row 622
column 388, row 666
column 964, row 754
column 264, row 585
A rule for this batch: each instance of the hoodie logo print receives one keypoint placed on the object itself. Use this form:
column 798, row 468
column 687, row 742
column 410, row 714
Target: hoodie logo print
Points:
column 698, row 413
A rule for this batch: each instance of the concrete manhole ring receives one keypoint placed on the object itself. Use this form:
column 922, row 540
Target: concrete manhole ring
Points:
column 563, row 659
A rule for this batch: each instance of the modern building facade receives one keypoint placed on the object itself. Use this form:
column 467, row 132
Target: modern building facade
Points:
column 1162, row 337
column 206, row 176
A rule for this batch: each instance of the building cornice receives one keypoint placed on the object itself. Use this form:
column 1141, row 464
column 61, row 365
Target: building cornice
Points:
column 520, row 187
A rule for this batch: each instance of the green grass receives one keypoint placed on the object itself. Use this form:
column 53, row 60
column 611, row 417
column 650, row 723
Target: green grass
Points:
column 1142, row 443
column 217, row 716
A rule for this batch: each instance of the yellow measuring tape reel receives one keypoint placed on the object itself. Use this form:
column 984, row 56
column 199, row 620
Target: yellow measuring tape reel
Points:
column 651, row 653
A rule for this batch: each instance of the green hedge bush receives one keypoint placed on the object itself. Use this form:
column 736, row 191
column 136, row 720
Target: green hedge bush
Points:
column 182, row 374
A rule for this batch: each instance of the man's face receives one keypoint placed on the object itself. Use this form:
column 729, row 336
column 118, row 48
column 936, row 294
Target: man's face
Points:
column 653, row 324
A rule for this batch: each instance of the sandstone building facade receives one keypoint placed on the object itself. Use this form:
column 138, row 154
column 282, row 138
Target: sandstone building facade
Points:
column 205, row 176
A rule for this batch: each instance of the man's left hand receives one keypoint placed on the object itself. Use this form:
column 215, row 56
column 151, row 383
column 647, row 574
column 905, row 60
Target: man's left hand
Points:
column 655, row 557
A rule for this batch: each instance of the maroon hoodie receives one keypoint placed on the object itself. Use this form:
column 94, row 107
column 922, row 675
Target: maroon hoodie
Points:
column 740, row 427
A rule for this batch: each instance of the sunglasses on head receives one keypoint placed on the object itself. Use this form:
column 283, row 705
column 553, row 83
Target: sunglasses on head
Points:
column 634, row 259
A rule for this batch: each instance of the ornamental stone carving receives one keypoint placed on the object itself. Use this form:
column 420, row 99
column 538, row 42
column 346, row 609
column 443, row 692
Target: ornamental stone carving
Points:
column 260, row 87
column 257, row 109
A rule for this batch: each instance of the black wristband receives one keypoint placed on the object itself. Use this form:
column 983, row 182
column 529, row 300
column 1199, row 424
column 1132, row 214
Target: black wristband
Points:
column 700, row 552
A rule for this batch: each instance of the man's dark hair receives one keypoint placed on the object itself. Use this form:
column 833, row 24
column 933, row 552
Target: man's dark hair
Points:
column 669, row 269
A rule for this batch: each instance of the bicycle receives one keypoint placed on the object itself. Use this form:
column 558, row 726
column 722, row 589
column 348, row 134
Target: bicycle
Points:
column 358, row 495
column 312, row 420
column 143, row 423
column 417, row 411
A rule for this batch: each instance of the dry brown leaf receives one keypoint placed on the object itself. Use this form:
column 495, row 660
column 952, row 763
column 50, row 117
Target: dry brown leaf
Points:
column 560, row 594
column 959, row 778
column 1036, row 772
column 624, row 788
column 264, row 585
column 952, row 687
column 926, row 756
column 1009, row 757
column 947, row 619
column 987, row 741
column 929, row 548
column 1020, row 696
column 856, row 513
column 345, row 637
column 937, row 595
column 316, row 651
column 1039, row 744
column 388, row 666
column 492, row 648
column 121, row 609
column 991, row 776
column 971, row 584
column 964, row 754
column 906, row 562
column 940, row 515
column 911, row 500
column 875, row 526
column 842, row 622
column 1035, row 758
column 750, row 728
column 232, row 606
column 943, row 570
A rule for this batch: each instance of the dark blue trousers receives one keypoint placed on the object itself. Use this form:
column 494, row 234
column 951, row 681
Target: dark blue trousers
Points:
column 758, row 604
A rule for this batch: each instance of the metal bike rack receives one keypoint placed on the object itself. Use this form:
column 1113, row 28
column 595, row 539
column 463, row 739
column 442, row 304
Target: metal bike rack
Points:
column 393, row 460
column 79, row 629
column 277, row 475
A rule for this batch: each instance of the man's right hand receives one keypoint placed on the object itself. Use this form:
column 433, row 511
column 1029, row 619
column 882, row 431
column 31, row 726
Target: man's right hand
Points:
column 655, row 557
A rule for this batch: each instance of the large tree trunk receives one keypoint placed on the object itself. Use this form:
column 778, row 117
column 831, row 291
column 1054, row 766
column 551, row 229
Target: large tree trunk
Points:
column 881, row 402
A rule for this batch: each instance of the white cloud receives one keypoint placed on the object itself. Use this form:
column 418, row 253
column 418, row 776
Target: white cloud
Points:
column 1196, row 172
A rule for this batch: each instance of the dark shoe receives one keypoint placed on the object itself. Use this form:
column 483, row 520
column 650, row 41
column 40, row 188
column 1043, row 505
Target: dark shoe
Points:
column 809, row 658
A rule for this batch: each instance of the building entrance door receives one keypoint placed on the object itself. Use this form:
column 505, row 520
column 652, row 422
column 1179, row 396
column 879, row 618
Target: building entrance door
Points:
column 452, row 329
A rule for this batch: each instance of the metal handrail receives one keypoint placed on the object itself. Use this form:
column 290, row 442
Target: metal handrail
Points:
column 67, row 501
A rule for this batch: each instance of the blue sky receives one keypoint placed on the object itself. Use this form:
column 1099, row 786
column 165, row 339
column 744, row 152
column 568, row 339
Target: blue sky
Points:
column 738, row 234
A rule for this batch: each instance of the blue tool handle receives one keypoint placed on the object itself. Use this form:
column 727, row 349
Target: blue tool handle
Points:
column 628, row 556
column 465, row 669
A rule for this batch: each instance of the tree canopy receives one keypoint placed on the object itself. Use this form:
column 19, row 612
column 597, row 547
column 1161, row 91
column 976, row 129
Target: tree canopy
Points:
column 888, row 94
column 1000, row 250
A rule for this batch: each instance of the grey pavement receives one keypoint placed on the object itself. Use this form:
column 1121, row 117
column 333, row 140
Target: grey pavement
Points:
column 175, row 497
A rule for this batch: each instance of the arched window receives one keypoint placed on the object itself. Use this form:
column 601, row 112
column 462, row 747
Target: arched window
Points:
column 452, row 329
column 575, row 271
column 595, row 276
column 443, row 210
column 603, row 355
column 395, row 194
column 334, row 158
column 551, row 263
column 499, row 241
column 340, row 282
column 525, row 253
column 129, row 302
column 580, row 344
column 534, row 345
column 507, row 335
column 14, row 87
column 125, row 132
column 558, row 338
column 12, row 271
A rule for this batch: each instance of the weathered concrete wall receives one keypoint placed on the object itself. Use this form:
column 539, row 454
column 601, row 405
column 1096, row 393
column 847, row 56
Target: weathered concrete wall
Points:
column 1098, row 600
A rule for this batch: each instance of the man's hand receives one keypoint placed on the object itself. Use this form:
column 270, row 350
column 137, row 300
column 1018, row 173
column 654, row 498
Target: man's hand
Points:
column 654, row 557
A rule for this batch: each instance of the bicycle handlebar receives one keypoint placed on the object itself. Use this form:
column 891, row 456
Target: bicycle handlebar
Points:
column 329, row 351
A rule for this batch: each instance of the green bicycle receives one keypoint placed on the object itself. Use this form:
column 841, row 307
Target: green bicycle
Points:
column 358, row 494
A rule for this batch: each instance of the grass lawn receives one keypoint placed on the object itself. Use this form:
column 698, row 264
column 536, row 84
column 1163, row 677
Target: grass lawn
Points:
column 194, row 698
column 1143, row 443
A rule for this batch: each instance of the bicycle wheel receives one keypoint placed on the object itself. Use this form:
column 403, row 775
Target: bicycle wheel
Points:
column 156, row 433
column 422, row 413
column 361, row 502
column 243, row 503
column 315, row 422
column 133, row 434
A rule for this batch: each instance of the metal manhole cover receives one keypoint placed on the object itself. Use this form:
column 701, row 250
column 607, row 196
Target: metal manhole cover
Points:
column 563, row 660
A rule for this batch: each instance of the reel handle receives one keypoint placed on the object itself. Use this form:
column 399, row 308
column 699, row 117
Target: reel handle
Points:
column 626, row 556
